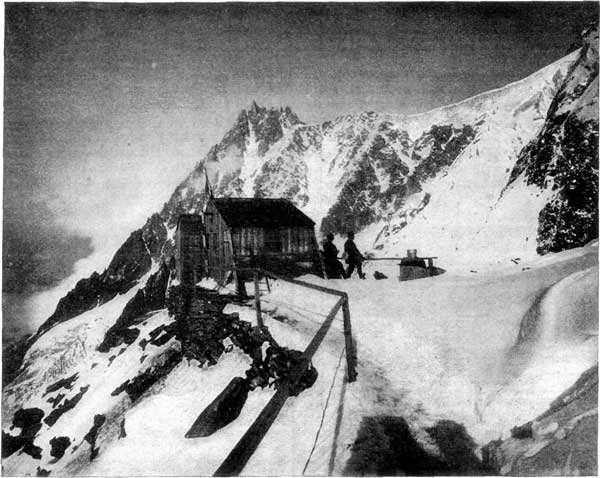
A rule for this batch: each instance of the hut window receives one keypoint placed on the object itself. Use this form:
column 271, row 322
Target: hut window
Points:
column 273, row 241
column 295, row 240
column 247, row 241
column 286, row 239
column 300, row 234
column 236, row 238
column 304, row 240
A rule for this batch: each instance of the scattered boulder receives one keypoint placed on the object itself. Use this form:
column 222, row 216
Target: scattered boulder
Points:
column 42, row 472
column 523, row 431
column 58, row 446
column 379, row 275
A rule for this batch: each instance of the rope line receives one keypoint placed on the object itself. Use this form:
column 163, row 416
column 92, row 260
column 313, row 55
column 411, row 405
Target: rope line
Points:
column 294, row 308
column 324, row 411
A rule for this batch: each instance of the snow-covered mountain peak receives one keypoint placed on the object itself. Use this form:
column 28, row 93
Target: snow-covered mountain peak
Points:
column 376, row 173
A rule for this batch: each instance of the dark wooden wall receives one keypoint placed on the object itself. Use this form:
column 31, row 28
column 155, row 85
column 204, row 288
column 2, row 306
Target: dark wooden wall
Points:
column 283, row 240
column 218, row 242
column 289, row 251
column 191, row 253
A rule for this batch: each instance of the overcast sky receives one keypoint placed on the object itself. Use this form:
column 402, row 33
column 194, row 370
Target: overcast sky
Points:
column 107, row 107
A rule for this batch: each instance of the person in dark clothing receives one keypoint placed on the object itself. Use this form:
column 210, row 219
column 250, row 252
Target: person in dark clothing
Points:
column 354, row 258
column 333, row 267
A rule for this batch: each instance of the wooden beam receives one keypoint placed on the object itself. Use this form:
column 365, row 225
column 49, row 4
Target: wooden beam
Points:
column 259, row 320
column 350, row 350
column 238, row 457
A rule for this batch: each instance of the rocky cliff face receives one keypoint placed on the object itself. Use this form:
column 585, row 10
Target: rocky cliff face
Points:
column 563, row 158
column 132, row 261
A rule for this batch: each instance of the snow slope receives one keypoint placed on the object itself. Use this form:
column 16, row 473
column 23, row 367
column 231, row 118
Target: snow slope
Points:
column 421, row 357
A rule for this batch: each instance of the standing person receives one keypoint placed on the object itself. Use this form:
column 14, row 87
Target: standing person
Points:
column 334, row 268
column 353, row 257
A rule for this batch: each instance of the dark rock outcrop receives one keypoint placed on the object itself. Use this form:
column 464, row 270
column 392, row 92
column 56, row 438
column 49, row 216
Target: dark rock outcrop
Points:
column 12, row 358
column 564, row 157
column 434, row 151
column 137, row 386
column 29, row 421
column 443, row 143
column 561, row 441
column 58, row 446
column 130, row 263
column 66, row 383
column 92, row 435
column 67, row 405
column 151, row 297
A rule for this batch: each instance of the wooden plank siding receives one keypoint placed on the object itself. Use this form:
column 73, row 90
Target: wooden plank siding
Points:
column 190, row 249
column 218, row 244
column 238, row 238
column 281, row 250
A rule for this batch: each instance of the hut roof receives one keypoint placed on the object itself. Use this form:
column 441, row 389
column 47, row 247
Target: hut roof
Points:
column 260, row 212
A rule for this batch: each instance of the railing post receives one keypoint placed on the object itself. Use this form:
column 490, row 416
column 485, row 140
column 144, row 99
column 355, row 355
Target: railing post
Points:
column 350, row 352
column 259, row 320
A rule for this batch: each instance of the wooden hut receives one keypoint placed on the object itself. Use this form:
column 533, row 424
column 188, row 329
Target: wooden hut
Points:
column 272, row 234
column 190, row 250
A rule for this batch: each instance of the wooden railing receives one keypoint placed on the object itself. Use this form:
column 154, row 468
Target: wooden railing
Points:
column 243, row 450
